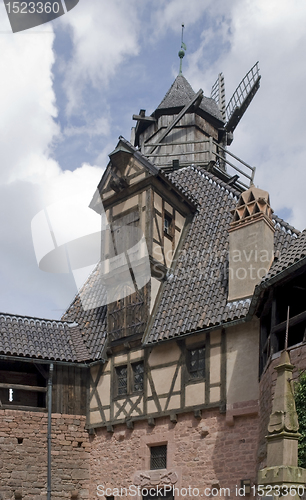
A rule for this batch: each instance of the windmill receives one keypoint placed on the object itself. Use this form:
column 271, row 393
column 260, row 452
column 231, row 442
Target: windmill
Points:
column 188, row 127
column 240, row 100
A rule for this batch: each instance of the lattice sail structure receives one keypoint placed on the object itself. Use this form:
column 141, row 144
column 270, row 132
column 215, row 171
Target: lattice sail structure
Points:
column 242, row 98
column 218, row 94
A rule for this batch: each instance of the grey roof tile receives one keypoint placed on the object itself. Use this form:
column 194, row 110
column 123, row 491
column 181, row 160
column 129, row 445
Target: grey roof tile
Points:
column 292, row 253
column 91, row 320
column 201, row 270
column 181, row 92
column 41, row 339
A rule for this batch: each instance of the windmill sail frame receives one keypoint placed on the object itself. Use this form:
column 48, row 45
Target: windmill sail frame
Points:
column 242, row 98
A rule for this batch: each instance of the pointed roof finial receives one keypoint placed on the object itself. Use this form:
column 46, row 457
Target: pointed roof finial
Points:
column 182, row 51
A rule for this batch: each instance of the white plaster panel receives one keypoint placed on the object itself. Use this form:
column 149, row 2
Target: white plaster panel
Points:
column 136, row 355
column 151, row 406
column 162, row 378
column 118, row 360
column 93, row 402
column 104, row 389
column 157, row 253
column 168, row 251
column 155, row 284
column 126, row 205
column 174, row 403
column 179, row 220
column 168, row 208
column 167, row 353
column 195, row 394
column 215, row 365
column 242, row 343
column 95, row 417
column 158, row 202
column 214, row 394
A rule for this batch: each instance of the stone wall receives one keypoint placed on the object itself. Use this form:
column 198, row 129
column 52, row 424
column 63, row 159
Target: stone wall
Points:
column 200, row 454
column 23, row 456
column 267, row 385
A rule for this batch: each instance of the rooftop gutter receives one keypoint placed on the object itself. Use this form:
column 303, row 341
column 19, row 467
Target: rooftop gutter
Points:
column 4, row 357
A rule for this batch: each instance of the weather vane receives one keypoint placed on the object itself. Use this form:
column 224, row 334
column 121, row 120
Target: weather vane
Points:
column 182, row 51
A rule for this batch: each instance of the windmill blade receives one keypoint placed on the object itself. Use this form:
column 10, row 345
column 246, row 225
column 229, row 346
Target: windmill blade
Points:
column 218, row 94
column 242, row 98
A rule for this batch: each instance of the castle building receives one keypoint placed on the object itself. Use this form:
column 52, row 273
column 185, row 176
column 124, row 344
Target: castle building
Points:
column 159, row 377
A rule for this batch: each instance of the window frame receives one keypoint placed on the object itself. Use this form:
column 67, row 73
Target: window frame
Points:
column 130, row 379
column 190, row 376
column 169, row 232
column 133, row 383
column 161, row 457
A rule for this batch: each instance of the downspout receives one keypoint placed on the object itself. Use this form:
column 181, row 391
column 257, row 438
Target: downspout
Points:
column 49, row 392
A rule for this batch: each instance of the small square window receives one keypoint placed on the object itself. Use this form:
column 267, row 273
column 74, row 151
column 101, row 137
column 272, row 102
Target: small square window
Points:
column 158, row 457
column 196, row 363
column 121, row 372
column 138, row 373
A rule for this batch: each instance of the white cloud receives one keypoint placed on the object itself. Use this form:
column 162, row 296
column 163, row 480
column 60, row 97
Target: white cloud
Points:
column 103, row 34
column 29, row 177
column 271, row 134
column 100, row 127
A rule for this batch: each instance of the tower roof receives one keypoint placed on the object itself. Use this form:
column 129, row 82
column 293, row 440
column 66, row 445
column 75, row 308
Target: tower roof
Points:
column 179, row 94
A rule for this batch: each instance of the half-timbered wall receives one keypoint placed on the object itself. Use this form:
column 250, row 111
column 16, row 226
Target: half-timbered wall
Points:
column 162, row 225
column 177, row 377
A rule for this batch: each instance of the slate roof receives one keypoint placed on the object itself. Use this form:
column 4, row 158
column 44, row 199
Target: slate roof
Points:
column 180, row 93
column 196, row 291
column 195, row 295
column 41, row 339
column 295, row 254
column 91, row 317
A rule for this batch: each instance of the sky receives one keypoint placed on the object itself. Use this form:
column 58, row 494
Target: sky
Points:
column 69, row 88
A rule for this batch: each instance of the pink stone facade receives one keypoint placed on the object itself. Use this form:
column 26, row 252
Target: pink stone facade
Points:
column 23, row 458
column 201, row 453
column 211, row 452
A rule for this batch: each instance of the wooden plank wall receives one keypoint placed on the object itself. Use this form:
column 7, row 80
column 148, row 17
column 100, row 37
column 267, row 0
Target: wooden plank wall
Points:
column 69, row 390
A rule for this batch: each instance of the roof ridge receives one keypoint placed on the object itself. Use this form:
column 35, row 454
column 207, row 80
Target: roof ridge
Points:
column 36, row 318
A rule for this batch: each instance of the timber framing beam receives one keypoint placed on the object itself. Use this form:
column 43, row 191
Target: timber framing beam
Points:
column 295, row 320
column 195, row 101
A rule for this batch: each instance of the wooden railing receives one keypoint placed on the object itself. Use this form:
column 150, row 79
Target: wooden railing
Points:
column 211, row 154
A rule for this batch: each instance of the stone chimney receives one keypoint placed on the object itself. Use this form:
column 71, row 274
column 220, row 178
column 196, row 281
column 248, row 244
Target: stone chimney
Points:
column 251, row 242
column 282, row 471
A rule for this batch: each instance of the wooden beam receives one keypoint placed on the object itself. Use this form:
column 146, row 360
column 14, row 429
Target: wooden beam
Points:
column 140, row 118
column 31, row 388
column 196, row 100
column 295, row 320
column 23, row 407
